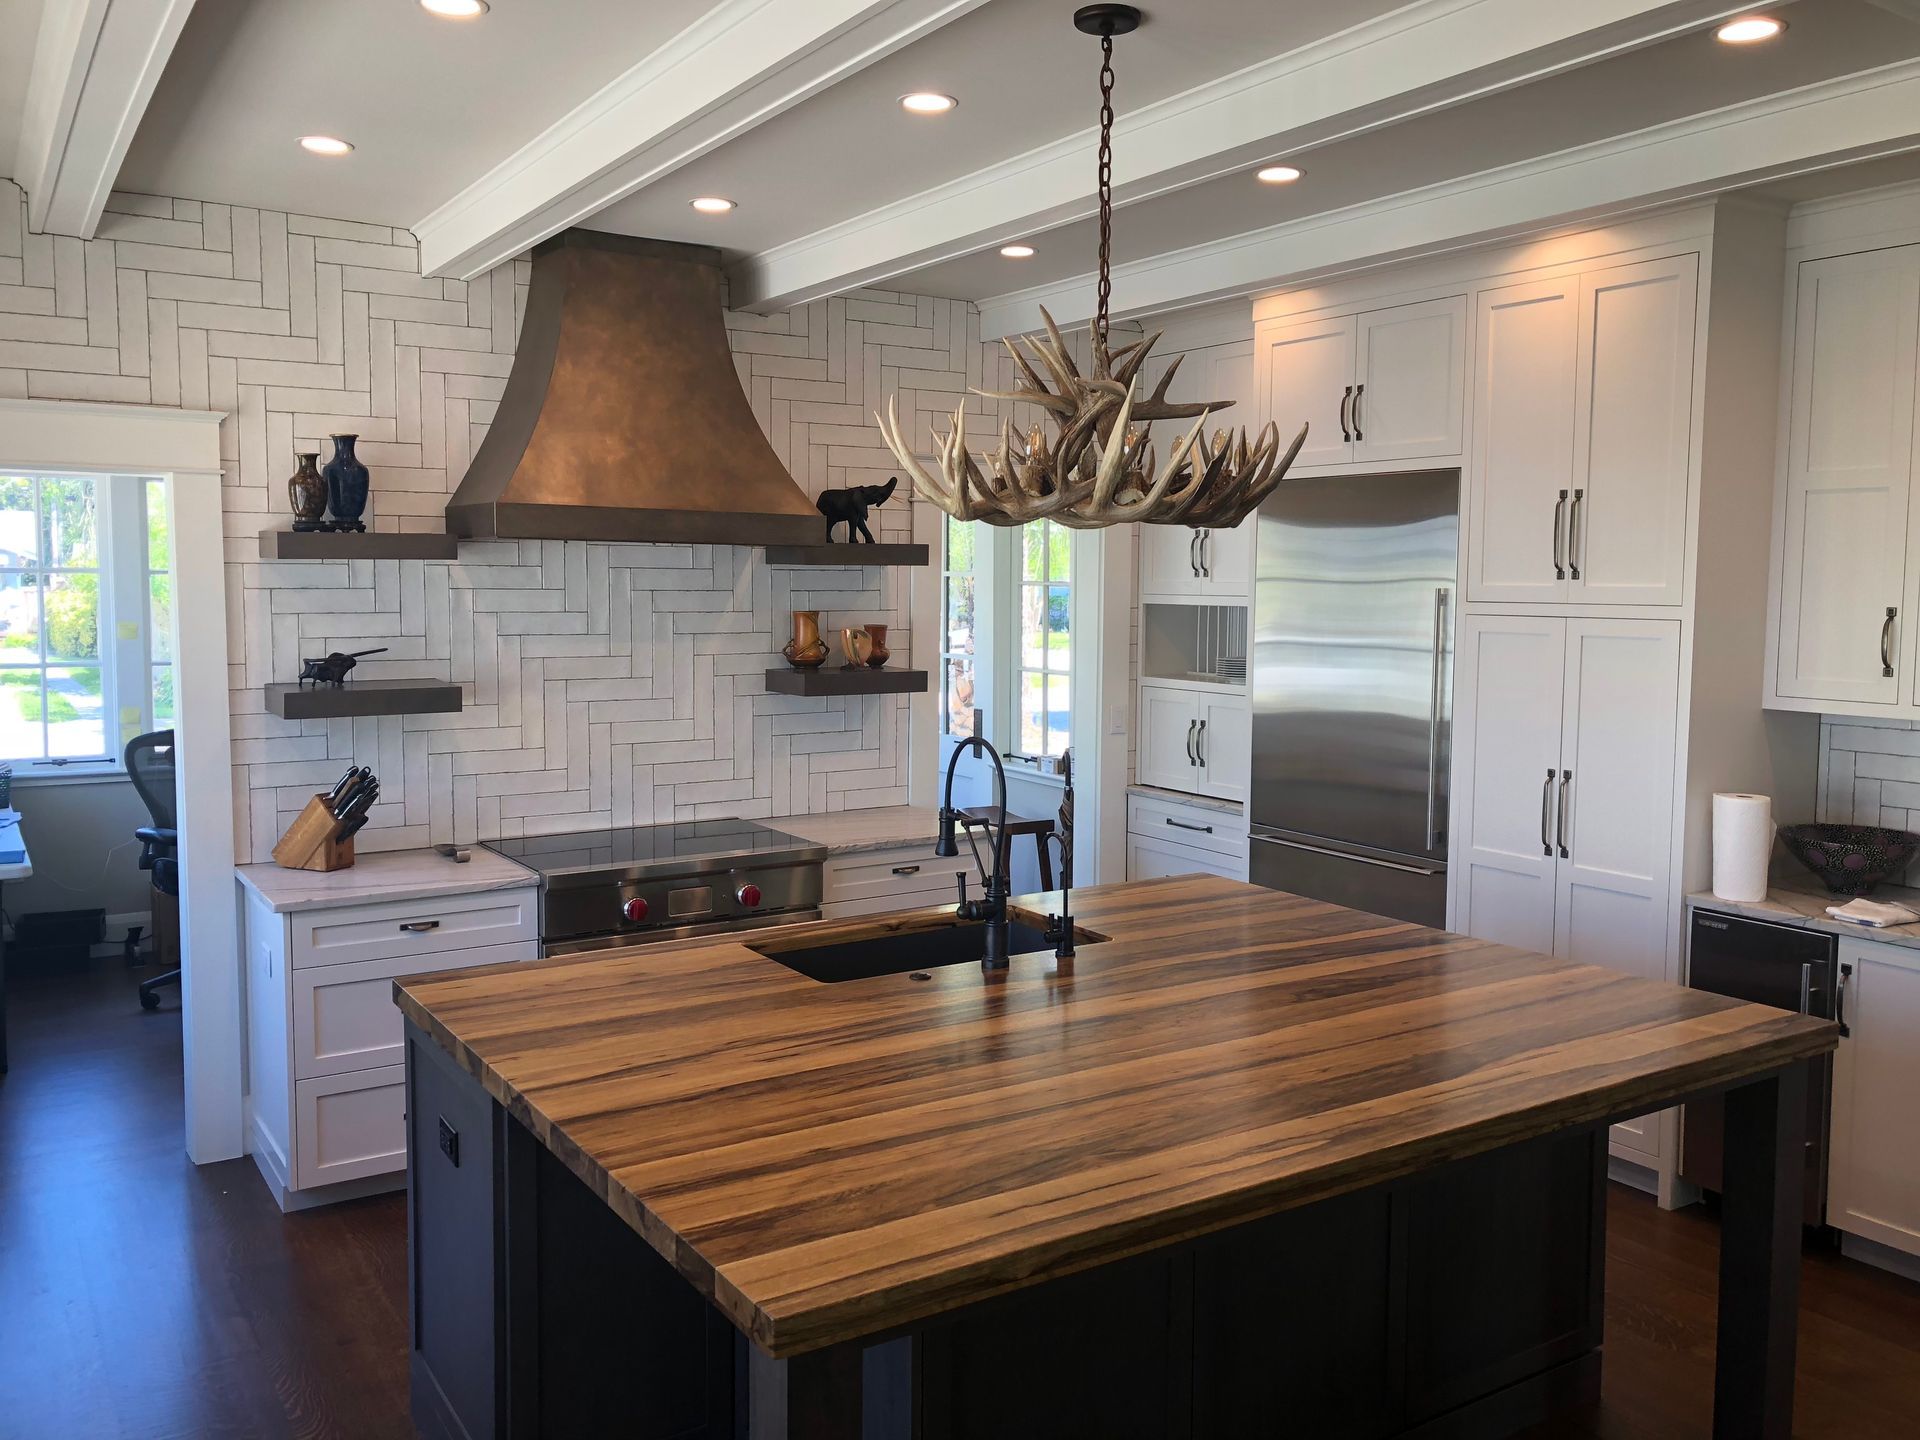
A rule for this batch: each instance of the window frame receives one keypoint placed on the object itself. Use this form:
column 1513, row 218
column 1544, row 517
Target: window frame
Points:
column 124, row 661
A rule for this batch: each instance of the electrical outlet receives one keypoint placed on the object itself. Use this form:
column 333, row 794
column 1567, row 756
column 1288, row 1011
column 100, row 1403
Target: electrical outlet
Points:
column 449, row 1141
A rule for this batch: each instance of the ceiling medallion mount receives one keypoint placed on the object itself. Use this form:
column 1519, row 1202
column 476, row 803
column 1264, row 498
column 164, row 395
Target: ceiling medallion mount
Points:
column 1100, row 468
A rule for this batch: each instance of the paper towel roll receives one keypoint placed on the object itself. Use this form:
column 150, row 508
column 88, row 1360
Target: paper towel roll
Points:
column 1742, row 846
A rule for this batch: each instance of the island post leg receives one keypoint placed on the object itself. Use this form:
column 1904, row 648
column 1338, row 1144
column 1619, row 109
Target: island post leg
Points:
column 1764, row 1172
column 845, row 1392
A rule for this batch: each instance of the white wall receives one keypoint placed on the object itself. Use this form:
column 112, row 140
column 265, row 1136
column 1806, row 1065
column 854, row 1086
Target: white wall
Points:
column 84, row 853
column 606, row 683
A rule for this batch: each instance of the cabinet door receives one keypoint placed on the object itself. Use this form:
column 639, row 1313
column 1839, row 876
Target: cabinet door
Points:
column 1224, row 742
column 347, row 1127
column 1150, row 859
column 1874, row 1189
column 1633, row 444
column 1165, row 755
column 1221, row 560
column 1408, row 372
column 1169, row 560
column 1849, row 461
column 1522, row 462
column 1306, row 375
column 1507, row 751
column 1613, row 820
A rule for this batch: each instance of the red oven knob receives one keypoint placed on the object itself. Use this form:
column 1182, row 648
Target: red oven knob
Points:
column 635, row 909
column 748, row 895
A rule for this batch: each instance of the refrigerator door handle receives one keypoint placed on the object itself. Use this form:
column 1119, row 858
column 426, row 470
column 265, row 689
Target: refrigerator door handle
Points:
column 1433, row 713
column 1345, row 855
column 1546, row 813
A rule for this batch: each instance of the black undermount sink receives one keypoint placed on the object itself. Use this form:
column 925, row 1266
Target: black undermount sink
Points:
column 832, row 961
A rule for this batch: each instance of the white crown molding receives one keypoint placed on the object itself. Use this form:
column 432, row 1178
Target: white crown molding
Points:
column 1816, row 127
column 739, row 65
column 105, row 438
column 95, row 67
column 1427, row 56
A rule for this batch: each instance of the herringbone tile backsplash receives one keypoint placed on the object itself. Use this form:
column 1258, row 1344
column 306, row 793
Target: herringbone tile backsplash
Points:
column 606, row 684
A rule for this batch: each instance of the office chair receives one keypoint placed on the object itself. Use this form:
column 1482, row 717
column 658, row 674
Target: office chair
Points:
column 150, row 767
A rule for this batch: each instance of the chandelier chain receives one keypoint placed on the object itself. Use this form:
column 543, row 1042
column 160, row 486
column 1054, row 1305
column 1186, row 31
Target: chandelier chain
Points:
column 1106, row 184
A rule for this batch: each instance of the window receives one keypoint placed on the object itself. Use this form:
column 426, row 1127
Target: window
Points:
column 1043, row 692
column 159, row 587
column 74, row 663
column 957, row 585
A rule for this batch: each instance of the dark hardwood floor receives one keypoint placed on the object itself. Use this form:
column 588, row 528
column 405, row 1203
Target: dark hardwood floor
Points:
column 140, row 1297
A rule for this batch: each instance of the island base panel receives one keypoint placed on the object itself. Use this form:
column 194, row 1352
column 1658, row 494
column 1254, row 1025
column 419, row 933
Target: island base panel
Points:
column 1462, row 1302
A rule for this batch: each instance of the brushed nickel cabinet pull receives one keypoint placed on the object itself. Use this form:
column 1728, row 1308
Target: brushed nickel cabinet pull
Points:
column 1546, row 813
column 1358, row 391
column 1346, row 398
column 419, row 927
column 1559, row 514
column 1200, row 744
column 1573, row 536
column 1886, row 644
column 1193, row 554
column 1192, row 759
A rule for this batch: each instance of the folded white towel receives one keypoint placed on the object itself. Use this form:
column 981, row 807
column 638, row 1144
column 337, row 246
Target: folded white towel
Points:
column 1872, row 913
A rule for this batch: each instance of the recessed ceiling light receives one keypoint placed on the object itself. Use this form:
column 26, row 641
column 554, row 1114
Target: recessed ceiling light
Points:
column 927, row 102
column 712, row 205
column 1278, row 175
column 1016, row 252
column 455, row 9
column 1749, row 29
column 324, row 145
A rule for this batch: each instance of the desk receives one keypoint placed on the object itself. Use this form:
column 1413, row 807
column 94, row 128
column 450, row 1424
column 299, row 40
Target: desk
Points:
column 11, row 837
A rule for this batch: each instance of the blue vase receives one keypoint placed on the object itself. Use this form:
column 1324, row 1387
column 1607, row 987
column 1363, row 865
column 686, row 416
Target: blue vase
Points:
column 346, row 485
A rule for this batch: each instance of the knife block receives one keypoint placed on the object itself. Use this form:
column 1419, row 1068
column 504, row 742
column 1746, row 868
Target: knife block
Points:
column 313, row 841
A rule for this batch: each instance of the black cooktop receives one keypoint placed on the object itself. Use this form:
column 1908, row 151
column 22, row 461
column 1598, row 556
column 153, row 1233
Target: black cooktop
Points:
column 689, row 845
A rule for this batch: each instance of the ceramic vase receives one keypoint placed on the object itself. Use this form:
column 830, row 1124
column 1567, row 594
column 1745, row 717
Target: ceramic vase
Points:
column 879, row 655
column 856, row 645
column 806, row 650
column 346, row 485
column 307, row 493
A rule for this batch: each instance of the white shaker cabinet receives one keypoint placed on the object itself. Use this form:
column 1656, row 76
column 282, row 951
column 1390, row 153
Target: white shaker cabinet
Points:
column 1564, row 796
column 1207, row 566
column 1844, row 590
column 1873, row 1187
column 1582, row 437
column 1195, row 738
column 1374, row 387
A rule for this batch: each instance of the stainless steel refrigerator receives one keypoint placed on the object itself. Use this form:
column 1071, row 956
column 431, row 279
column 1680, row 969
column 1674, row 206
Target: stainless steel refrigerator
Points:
column 1352, row 690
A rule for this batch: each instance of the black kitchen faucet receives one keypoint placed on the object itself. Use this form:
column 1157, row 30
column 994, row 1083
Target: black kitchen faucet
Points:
column 992, row 908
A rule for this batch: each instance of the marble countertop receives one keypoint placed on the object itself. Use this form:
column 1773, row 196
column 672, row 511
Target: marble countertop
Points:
column 1787, row 906
column 849, row 831
column 1180, row 797
column 382, row 876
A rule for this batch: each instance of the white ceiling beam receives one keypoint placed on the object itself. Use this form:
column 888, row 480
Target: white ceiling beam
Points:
column 94, row 69
column 1817, row 127
column 1426, row 56
column 739, row 65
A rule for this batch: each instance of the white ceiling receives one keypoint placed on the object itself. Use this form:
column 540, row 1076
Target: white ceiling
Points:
column 464, row 119
column 430, row 104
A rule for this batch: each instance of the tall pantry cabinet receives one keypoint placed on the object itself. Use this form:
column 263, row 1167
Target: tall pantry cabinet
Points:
column 1618, row 391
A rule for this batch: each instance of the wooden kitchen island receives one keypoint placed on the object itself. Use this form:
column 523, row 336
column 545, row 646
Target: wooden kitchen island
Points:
column 1251, row 1166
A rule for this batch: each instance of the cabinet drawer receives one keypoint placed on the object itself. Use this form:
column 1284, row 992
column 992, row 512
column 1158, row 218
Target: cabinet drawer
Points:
column 1194, row 826
column 891, row 874
column 1155, row 859
column 887, row 904
column 414, row 927
column 346, row 1127
column 344, row 1018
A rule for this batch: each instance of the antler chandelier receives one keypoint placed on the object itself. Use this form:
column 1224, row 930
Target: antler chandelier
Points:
column 1099, row 468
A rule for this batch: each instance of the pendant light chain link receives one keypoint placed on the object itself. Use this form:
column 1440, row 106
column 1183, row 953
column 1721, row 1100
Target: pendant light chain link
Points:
column 1106, row 184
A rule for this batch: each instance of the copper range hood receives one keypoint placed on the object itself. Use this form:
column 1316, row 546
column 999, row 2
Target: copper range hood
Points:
column 623, row 417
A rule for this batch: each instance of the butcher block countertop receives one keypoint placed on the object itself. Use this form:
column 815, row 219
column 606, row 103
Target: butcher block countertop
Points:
column 832, row 1161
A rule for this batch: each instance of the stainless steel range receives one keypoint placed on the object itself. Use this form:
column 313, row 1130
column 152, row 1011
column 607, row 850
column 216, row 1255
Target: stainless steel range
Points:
column 600, row 889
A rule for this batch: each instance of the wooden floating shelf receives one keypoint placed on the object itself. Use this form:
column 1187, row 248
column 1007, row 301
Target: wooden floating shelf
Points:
column 363, row 697
column 355, row 545
column 848, row 555
column 834, row 680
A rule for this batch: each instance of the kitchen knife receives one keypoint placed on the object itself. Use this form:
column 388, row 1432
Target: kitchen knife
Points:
column 353, row 792
column 340, row 788
column 357, row 807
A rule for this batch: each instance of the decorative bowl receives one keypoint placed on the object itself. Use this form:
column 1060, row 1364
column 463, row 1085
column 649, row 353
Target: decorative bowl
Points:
column 1851, row 859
